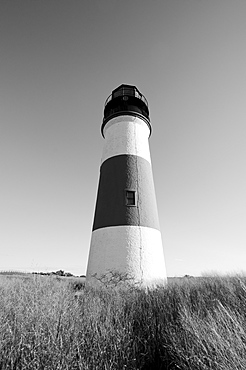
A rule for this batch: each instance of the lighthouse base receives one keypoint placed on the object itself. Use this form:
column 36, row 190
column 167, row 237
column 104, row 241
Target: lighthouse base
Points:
column 133, row 251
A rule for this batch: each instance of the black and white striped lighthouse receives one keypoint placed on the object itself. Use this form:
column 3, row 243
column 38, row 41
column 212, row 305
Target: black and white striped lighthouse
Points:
column 126, row 235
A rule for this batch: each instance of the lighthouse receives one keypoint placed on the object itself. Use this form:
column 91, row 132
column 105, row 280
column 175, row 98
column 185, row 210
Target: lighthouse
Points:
column 126, row 236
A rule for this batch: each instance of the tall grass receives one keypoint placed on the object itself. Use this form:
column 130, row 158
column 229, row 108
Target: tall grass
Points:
column 192, row 324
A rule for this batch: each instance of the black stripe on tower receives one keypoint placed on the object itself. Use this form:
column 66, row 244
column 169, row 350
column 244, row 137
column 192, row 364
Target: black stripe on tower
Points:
column 118, row 175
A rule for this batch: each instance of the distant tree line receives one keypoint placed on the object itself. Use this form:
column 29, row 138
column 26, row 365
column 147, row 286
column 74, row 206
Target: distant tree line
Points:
column 52, row 273
column 57, row 273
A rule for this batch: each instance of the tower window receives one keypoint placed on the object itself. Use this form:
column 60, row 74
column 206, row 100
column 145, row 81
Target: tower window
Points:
column 130, row 197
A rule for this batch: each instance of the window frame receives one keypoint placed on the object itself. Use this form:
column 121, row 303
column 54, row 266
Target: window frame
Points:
column 127, row 198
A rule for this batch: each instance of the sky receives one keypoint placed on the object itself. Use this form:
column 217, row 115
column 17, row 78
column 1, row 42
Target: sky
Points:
column 59, row 61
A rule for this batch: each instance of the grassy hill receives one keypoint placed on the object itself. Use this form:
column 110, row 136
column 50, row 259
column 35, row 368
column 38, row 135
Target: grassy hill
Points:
column 194, row 323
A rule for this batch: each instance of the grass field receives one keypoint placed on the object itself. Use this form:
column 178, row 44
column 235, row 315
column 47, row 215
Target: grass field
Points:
column 195, row 323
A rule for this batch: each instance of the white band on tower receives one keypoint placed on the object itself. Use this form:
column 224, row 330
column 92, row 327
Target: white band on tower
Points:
column 121, row 135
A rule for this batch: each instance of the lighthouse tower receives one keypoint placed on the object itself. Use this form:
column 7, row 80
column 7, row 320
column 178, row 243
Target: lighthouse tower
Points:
column 126, row 235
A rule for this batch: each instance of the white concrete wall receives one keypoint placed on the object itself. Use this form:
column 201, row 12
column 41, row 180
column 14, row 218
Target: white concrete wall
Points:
column 126, row 135
column 134, row 250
